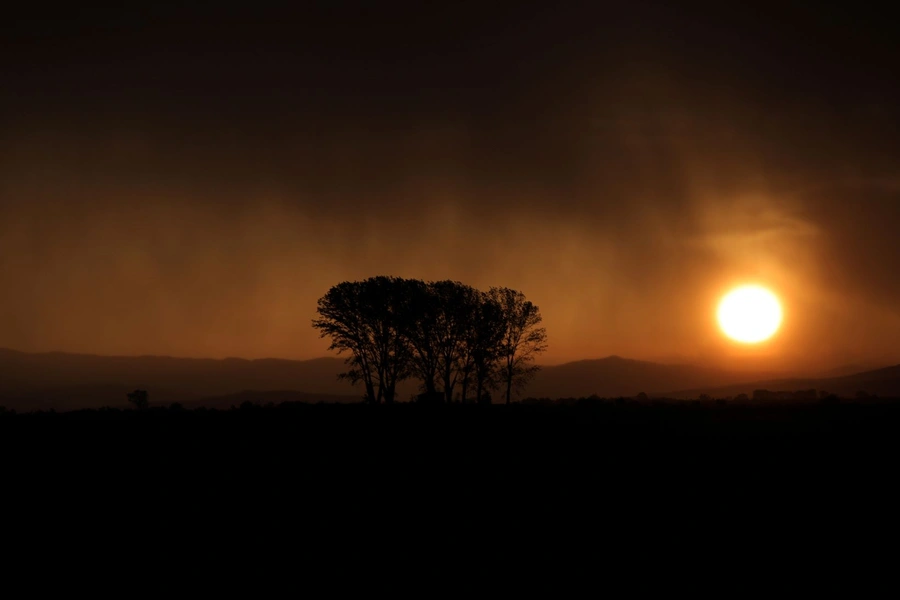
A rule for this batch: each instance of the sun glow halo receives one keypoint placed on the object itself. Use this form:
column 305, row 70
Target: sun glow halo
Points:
column 749, row 314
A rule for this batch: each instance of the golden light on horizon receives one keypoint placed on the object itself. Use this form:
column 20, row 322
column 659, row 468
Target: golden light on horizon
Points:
column 749, row 314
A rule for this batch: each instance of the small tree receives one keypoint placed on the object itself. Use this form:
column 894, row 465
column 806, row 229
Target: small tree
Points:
column 139, row 399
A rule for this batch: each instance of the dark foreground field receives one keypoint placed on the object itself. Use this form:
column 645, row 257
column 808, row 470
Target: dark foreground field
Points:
column 587, row 438
column 591, row 472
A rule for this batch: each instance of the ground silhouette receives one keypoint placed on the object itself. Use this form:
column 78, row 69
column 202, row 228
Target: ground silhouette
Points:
column 615, row 471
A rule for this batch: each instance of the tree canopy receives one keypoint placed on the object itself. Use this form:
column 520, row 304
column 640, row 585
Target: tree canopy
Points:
column 445, row 334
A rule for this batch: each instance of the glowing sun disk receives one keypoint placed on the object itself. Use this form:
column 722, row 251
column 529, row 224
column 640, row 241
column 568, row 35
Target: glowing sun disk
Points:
column 749, row 314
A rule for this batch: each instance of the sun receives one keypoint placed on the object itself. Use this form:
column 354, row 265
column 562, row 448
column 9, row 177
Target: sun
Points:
column 749, row 314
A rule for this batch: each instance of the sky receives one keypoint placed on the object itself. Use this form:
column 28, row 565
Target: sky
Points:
column 190, row 182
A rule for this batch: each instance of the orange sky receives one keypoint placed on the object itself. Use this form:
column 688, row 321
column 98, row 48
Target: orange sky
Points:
column 175, row 200
column 170, row 277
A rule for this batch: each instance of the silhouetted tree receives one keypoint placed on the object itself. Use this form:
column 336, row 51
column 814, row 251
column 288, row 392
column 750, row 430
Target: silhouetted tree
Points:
column 422, row 310
column 366, row 319
column 464, row 367
column 483, row 341
column 523, row 338
column 458, row 303
column 441, row 331
column 139, row 399
column 388, row 320
column 465, row 359
column 438, row 316
column 341, row 318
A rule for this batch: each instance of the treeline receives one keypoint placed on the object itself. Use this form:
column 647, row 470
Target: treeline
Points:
column 447, row 335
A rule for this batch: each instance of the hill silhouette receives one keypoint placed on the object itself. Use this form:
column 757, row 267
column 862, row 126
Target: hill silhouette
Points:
column 65, row 381
column 882, row 382
column 615, row 376
column 62, row 381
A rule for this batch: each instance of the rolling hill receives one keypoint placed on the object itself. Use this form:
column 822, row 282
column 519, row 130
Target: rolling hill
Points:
column 881, row 382
column 615, row 376
column 63, row 381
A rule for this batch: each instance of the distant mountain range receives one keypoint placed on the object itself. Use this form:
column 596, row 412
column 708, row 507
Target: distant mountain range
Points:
column 65, row 381
column 615, row 376
column 881, row 382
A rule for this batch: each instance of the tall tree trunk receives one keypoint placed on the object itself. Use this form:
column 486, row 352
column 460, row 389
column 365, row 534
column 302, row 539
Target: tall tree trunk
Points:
column 508, row 386
column 448, row 384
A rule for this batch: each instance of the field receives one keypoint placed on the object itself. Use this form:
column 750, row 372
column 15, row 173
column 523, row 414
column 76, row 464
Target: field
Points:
column 636, row 480
column 586, row 433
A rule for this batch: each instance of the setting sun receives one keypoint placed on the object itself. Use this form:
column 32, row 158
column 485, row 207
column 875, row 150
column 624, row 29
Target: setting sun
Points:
column 749, row 314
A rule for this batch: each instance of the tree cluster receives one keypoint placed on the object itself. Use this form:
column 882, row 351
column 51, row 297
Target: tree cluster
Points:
column 447, row 335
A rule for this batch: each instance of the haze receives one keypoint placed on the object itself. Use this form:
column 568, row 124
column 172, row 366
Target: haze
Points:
column 190, row 184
